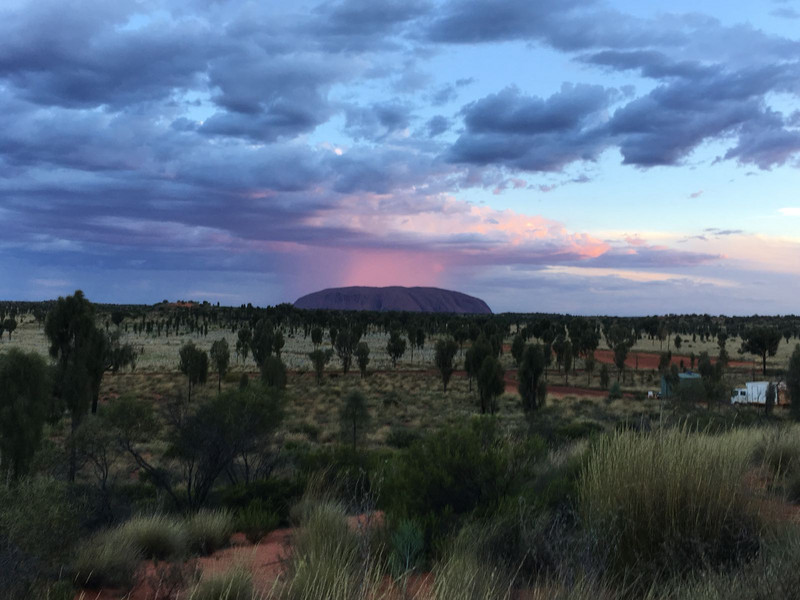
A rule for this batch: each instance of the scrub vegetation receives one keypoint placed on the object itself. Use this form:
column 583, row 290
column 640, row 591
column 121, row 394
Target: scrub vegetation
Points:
column 495, row 462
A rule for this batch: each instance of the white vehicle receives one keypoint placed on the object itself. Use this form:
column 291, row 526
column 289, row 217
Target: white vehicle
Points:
column 755, row 392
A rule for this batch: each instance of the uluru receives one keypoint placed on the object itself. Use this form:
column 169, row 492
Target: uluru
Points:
column 411, row 299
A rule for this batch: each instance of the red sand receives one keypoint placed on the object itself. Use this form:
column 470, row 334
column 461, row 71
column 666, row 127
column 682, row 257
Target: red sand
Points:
column 649, row 360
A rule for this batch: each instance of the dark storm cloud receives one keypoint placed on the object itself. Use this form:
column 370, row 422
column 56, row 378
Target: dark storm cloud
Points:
column 532, row 133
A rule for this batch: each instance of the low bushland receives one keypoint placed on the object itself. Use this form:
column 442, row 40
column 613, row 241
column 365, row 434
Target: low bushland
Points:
column 109, row 558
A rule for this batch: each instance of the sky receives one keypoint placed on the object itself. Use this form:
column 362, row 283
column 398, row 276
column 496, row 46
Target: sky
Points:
column 583, row 157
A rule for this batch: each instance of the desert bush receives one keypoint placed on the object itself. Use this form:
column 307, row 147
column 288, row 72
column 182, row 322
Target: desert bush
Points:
column 279, row 494
column 615, row 393
column 234, row 584
column 455, row 472
column 407, row 544
column 39, row 523
column 670, row 500
column 402, row 437
column 256, row 520
column 157, row 536
column 109, row 558
column 209, row 530
column 327, row 559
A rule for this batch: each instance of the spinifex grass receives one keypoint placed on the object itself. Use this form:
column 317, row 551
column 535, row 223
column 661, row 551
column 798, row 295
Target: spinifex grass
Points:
column 670, row 501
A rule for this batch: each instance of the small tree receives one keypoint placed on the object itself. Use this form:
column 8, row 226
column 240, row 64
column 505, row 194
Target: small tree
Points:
column 316, row 336
column 589, row 363
column 362, row 357
column 445, row 354
column 262, row 343
column 396, row 347
column 517, row 348
column 531, row 367
column 604, row 376
column 10, row 325
column 419, row 340
column 194, row 364
column 762, row 341
column 243, row 342
column 354, row 416
column 491, row 383
column 345, row 346
column 273, row 373
column 319, row 358
column 25, row 404
column 221, row 356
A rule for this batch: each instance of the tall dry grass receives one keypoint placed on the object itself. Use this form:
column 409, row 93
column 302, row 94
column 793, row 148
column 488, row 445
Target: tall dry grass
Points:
column 671, row 500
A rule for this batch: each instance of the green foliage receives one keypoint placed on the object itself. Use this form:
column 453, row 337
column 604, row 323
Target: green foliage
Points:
column 193, row 364
column 694, row 512
column 273, row 373
column 604, row 377
column 345, row 346
column 517, row 348
column 406, row 548
column 402, row 437
column 615, row 393
column 262, row 341
column 445, row 354
column 362, row 357
column 395, row 347
column 38, row 527
column 257, row 520
column 354, row 416
column 452, row 473
column 761, row 340
column 208, row 530
column 25, row 405
column 276, row 495
column 319, row 358
column 531, row 367
column 491, row 383
column 221, row 357
column 233, row 584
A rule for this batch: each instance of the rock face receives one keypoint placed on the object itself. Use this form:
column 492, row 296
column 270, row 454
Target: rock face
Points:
column 414, row 299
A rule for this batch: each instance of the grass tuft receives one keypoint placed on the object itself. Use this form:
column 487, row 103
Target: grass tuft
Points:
column 209, row 530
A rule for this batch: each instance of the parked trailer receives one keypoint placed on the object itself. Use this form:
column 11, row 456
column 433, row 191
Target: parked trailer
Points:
column 755, row 392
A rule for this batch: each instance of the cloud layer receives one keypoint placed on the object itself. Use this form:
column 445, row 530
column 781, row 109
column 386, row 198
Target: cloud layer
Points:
column 286, row 149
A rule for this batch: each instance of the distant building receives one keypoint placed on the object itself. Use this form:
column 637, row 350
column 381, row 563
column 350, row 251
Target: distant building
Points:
column 667, row 389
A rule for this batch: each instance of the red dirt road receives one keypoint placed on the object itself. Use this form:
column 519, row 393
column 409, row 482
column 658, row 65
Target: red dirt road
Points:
column 649, row 360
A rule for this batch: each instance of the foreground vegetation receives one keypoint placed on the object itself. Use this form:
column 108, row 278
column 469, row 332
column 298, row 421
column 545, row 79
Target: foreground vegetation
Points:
column 125, row 479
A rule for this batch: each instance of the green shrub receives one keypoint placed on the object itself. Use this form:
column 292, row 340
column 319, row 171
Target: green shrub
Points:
column 256, row 521
column 454, row 472
column 615, row 393
column 278, row 494
column 670, row 500
column 159, row 537
column 108, row 559
column 402, row 437
column 209, row 530
column 407, row 544
column 234, row 584
column 39, row 516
